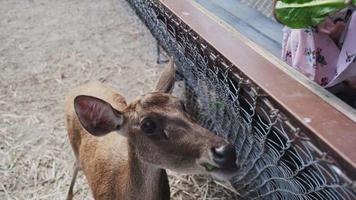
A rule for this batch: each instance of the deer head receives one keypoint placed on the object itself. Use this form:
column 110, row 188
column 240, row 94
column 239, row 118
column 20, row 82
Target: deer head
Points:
column 160, row 131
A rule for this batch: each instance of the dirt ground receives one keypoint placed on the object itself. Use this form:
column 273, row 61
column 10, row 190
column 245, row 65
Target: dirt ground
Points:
column 46, row 48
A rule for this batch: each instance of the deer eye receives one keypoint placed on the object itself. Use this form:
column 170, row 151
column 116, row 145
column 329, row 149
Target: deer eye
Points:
column 148, row 126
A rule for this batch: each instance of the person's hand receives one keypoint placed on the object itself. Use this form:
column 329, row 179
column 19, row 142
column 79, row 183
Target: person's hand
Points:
column 274, row 9
column 348, row 2
column 334, row 30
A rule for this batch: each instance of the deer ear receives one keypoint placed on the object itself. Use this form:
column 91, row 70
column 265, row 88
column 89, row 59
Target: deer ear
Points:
column 97, row 116
column 166, row 81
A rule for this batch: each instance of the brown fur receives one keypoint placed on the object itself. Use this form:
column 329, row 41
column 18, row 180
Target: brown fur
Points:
column 127, row 164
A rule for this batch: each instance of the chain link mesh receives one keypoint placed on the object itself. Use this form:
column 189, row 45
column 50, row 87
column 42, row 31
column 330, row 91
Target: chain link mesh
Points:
column 276, row 159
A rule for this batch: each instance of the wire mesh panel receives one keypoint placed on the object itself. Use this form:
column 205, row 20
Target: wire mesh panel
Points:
column 276, row 159
column 263, row 6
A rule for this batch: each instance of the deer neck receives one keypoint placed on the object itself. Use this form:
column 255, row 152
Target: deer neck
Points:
column 145, row 181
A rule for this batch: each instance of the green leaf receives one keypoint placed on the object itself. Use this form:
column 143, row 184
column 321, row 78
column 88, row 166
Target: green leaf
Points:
column 209, row 167
column 295, row 1
column 302, row 15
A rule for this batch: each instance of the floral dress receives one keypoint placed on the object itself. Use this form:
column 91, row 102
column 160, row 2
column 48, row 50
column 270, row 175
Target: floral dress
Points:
column 318, row 57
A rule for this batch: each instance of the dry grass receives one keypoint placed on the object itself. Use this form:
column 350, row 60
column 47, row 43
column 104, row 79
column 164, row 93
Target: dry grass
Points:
column 47, row 47
column 199, row 187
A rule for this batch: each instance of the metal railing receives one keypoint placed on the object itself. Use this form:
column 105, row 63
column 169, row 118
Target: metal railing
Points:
column 279, row 157
column 263, row 6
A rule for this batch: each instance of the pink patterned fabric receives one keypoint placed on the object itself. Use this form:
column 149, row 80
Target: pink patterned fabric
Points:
column 317, row 56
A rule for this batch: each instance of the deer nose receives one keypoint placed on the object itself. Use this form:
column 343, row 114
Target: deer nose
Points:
column 224, row 156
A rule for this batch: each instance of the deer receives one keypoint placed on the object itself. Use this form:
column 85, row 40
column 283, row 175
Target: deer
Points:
column 125, row 149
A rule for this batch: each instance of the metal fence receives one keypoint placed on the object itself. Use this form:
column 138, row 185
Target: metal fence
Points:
column 277, row 160
column 263, row 6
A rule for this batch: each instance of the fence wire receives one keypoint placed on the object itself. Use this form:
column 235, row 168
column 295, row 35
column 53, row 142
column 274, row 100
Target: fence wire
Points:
column 276, row 159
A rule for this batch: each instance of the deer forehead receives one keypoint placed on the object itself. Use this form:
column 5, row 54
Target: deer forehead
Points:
column 156, row 105
column 156, row 100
